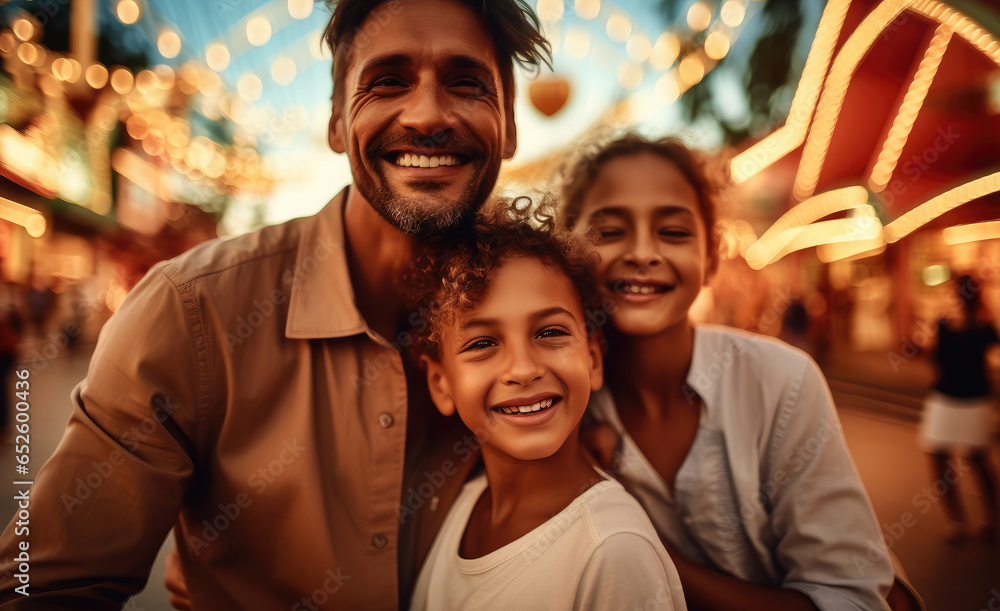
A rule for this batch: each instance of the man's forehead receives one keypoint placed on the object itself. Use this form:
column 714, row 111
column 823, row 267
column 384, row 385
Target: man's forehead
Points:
column 443, row 31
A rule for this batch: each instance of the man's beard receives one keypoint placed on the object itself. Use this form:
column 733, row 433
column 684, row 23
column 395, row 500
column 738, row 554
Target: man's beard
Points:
column 428, row 213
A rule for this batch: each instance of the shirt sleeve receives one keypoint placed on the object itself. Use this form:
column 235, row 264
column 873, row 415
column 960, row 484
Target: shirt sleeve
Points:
column 828, row 538
column 626, row 572
column 102, row 505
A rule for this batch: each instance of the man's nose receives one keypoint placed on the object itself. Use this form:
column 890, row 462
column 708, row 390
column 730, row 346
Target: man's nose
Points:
column 429, row 110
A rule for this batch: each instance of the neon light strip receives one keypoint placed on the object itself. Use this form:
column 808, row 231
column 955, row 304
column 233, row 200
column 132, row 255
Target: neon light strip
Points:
column 936, row 206
column 960, row 234
column 784, row 140
column 832, row 99
column 962, row 25
column 29, row 218
column 913, row 101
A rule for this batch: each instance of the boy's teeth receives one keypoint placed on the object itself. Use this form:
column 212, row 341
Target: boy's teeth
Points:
column 409, row 160
column 639, row 290
column 527, row 409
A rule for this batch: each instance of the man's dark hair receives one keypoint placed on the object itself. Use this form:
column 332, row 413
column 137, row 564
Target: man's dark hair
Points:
column 511, row 24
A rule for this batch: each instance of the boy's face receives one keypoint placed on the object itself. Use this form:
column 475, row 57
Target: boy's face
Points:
column 525, row 347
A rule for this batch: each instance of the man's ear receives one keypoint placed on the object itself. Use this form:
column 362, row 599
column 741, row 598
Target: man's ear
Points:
column 510, row 131
column 337, row 136
column 596, row 361
column 438, row 384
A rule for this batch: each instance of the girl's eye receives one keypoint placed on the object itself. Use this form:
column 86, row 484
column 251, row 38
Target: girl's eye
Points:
column 553, row 332
column 479, row 344
column 675, row 232
column 610, row 233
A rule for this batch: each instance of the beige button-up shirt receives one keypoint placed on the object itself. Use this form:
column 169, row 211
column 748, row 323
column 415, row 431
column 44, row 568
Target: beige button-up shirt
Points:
column 240, row 394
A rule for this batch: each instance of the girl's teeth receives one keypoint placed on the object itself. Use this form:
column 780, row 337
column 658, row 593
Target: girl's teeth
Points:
column 527, row 409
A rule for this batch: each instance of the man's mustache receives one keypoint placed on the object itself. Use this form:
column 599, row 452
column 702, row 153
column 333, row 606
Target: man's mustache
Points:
column 445, row 141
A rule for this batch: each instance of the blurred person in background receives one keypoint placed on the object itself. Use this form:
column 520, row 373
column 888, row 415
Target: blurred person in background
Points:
column 253, row 390
column 959, row 414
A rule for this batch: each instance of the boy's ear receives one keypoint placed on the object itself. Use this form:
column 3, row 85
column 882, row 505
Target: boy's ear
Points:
column 596, row 361
column 438, row 384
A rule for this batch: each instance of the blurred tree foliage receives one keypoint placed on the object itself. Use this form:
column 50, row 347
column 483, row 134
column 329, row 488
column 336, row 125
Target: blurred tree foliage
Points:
column 769, row 70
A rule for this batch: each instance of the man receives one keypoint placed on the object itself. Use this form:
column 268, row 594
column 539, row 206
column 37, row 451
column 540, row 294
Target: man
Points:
column 253, row 390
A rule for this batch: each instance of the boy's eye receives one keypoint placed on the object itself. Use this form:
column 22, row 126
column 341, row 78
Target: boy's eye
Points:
column 479, row 344
column 610, row 233
column 675, row 232
column 553, row 332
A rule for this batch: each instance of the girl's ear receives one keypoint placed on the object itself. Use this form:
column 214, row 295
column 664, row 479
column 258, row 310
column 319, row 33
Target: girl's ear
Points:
column 437, row 382
column 596, row 361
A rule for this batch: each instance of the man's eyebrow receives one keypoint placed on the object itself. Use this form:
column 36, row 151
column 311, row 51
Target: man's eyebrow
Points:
column 394, row 59
column 466, row 61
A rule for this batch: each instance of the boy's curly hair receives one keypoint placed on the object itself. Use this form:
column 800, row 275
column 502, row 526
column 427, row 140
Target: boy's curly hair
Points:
column 452, row 273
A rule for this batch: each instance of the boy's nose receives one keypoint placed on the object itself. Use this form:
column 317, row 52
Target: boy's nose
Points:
column 523, row 368
column 644, row 252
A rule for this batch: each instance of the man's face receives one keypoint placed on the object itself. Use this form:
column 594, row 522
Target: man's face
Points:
column 424, row 120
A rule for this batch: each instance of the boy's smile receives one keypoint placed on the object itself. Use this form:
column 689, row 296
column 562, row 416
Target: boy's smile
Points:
column 519, row 367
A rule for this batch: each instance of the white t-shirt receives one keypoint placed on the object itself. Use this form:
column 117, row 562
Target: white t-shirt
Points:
column 600, row 552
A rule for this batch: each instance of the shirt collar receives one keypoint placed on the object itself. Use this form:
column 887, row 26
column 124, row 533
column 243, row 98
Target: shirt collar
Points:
column 700, row 378
column 322, row 298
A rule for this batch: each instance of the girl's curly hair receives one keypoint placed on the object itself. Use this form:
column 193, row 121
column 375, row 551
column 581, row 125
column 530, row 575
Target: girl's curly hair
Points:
column 452, row 273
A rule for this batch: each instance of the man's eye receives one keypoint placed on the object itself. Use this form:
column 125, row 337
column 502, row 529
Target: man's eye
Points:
column 471, row 86
column 388, row 81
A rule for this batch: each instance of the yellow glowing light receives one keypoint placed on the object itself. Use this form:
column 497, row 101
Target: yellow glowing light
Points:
column 733, row 12
column 849, row 251
column 128, row 11
column 317, row 46
column 169, row 44
column 550, row 10
column 97, row 76
column 716, row 45
column 75, row 70
column 300, row 9
column 283, row 70
column 699, row 16
column 217, row 56
column 665, row 51
column 909, row 109
column 619, row 27
column 122, row 80
column 638, row 48
column 666, row 89
column 23, row 29
column 630, row 75
column 962, row 25
column 587, row 9
column 250, row 87
column 165, row 76
column 137, row 127
column 259, row 31
column 62, row 69
column 784, row 140
column 862, row 227
column 210, row 84
column 146, row 82
column 7, row 42
column 32, row 220
column 577, row 43
column 831, row 100
column 936, row 206
column 28, row 53
column 691, row 70
column 975, row 232
column 763, row 251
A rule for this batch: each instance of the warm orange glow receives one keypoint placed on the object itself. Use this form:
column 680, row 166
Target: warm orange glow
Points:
column 283, row 70
column 831, row 99
column 128, row 11
column 32, row 220
column 97, row 76
column 23, row 29
column 217, row 56
column 717, row 45
column 699, row 16
column 935, row 207
column 619, row 27
column 761, row 155
column 259, row 31
column 913, row 101
column 664, row 52
column 169, row 44
column 975, row 232
column 587, row 9
column 122, row 80
column 300, row 9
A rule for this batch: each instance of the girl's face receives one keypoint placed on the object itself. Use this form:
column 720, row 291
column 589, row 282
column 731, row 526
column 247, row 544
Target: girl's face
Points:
column 653, row 246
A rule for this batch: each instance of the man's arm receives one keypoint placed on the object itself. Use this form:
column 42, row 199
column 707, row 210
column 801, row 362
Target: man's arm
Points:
column 102, row 505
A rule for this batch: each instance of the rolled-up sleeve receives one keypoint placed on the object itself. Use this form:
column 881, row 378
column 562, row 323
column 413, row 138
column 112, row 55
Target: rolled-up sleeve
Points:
column 827, row 535
column 102, row 505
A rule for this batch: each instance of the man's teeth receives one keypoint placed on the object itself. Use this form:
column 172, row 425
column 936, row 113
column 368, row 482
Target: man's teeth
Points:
column 408, row 160
column 526, row 409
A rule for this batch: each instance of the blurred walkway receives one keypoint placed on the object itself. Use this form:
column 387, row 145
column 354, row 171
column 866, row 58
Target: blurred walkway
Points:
column 961, row 577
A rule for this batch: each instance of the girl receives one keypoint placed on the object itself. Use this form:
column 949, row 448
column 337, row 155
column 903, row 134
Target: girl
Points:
column 729, row 440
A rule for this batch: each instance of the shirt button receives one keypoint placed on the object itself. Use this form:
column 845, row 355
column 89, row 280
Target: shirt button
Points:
column 379, row 541
column 385, row 420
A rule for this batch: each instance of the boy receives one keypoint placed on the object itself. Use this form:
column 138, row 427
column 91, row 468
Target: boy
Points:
column 507, row 347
